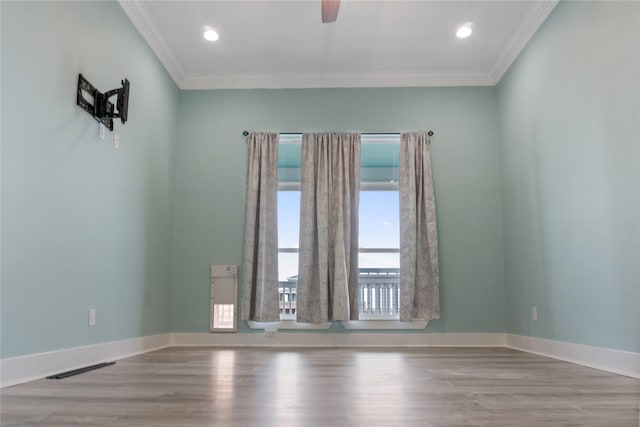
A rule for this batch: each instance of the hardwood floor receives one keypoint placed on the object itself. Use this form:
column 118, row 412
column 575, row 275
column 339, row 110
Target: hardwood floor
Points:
column 329, row 387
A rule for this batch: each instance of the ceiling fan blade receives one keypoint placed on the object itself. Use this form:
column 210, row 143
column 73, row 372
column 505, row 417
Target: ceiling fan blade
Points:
column 330, row 10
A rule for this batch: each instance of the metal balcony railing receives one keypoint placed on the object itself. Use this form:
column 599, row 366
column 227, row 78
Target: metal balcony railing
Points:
column 287, row 293
column 378, row 292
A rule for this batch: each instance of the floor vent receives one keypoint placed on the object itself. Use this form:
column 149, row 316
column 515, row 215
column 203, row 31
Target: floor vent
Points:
column 79, row 371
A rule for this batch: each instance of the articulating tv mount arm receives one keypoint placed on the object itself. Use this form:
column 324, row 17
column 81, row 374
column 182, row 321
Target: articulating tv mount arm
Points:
column 100, row 107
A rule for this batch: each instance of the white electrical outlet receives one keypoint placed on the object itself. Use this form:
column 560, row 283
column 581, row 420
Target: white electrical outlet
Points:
column 534, row 313
column 270, row 333
column 116, row 141
column 92, row 317
column 102, row 129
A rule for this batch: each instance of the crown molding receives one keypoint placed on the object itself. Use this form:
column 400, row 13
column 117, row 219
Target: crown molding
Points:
column 141, row 20
column 351, row 80
column 537, row 14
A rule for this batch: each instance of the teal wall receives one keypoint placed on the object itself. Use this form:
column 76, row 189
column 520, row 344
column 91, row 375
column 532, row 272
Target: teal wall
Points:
column 537, row 181
column 570, row 155
column 83, row 225
column 211, row 169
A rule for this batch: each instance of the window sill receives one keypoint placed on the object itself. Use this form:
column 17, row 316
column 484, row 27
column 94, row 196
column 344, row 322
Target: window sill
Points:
column 350, row 325
column 287, row 324
column 384, row 324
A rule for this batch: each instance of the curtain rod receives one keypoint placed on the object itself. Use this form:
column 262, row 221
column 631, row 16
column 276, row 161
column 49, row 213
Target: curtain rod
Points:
column 430, row 133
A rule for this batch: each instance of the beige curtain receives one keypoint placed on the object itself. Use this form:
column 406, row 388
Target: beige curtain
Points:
column 328, row 257
column 260, row 272
column 419, row 280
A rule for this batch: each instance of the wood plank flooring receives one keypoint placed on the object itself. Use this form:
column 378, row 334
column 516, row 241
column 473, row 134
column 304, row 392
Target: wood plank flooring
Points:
column 329, row 387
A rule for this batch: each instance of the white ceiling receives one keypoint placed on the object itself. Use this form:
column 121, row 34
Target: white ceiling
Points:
column 283, row 44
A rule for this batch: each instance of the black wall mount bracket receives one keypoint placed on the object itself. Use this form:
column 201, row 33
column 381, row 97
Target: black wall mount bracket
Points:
column 98, row 105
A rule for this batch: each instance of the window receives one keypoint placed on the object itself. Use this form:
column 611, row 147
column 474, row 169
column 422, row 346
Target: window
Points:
column 379, row 234
column 289, row 152
column 379, row 259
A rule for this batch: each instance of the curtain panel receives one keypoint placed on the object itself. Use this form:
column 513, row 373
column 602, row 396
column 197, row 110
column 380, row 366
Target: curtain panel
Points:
column 328, row 255
column 260, row 270
column 419, row 279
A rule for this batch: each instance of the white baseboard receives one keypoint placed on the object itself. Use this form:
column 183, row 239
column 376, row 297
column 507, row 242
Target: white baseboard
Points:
column 16, row 370
column 31, row 367
column 365, row 339
column 615, row 361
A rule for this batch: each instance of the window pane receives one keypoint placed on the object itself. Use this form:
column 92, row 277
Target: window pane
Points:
column 379, row 219
column 378, row 281
column 380, row 159
column 288, row 222
column 378, row 260
column 287, row 266
column 289, row 150
column 288, row 226
column 288, row 219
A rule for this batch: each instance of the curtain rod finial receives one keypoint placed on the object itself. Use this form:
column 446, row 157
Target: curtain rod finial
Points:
column 430, row 133
column 245, row 133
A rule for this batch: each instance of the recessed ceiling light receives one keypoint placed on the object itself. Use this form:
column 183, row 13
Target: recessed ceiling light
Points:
column 464, row 31
column 211, row 35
